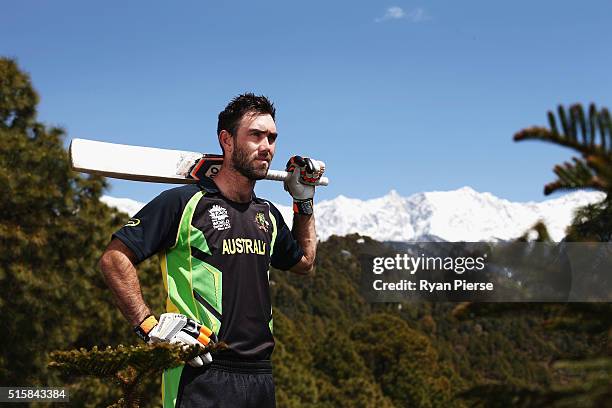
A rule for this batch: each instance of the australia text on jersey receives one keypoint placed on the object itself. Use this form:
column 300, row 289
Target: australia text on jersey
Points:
column 244, row 246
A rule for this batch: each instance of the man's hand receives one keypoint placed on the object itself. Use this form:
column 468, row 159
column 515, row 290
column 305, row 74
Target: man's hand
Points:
column 300, row 184
column 177, row 329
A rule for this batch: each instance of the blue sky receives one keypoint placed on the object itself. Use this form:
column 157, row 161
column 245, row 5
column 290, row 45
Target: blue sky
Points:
column 411, row 96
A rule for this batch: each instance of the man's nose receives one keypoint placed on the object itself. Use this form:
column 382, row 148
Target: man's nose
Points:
column 265, row 145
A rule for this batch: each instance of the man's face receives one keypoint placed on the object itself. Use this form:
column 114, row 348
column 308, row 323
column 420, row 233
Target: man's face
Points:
column 254, row 146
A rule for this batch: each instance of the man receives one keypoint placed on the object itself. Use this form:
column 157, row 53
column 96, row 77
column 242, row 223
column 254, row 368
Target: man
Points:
column 216, row 241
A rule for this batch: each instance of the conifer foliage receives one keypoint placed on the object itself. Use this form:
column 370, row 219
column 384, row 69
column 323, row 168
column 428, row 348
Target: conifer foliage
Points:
column 127, row 366
column 585, row 380
column 53, row 229
column 590, row 134
column 49, row 224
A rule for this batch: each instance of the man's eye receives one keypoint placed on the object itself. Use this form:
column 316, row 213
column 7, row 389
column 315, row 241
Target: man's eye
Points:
column 271, row 138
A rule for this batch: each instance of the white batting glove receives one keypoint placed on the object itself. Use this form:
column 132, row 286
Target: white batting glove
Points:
column 300, row 184
column 176, row 328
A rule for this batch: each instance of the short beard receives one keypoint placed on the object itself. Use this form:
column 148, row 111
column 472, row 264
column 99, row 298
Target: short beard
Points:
column 240, row 162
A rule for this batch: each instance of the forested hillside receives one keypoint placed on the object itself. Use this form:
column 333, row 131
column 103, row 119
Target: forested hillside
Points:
column 334, row 349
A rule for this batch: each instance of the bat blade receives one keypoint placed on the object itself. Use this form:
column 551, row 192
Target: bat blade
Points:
column 140, row 163
column 128, row 162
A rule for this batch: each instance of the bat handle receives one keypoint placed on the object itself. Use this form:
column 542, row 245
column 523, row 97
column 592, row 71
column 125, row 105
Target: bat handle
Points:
column 280, row 175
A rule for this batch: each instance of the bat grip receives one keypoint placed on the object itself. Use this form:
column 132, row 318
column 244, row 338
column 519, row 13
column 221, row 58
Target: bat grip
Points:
column 280, row 175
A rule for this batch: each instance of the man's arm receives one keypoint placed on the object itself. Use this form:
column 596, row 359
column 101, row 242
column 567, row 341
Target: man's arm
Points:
column 304, row 232
column 117, row 266
column 300, row 184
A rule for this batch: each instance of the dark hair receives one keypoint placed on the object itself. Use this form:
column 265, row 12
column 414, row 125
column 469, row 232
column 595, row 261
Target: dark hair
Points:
column 230, row 117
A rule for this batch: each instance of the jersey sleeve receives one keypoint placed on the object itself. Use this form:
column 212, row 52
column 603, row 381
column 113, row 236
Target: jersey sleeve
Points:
column 155, row 226
column 287, row 251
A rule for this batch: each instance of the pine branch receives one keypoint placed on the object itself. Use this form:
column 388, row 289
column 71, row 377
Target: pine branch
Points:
column 127, row 366
column 603, row 170
column 573, row 176
column 591, row 135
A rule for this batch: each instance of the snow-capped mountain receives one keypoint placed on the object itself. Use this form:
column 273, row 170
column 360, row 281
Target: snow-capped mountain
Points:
column 459, row 215
column 126, row 205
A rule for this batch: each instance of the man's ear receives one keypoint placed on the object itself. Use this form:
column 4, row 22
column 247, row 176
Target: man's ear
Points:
column 226, row 141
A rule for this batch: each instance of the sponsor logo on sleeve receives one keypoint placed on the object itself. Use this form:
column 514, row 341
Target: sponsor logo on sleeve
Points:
column 133, row 222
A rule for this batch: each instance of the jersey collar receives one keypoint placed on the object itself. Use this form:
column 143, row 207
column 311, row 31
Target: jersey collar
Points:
column 207, row 184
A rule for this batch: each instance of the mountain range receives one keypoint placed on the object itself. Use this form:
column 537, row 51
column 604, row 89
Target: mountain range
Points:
column 458, row 215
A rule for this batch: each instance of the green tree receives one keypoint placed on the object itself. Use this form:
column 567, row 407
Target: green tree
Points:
column 18, row 99
column 586, row 380
column 589, row 134
column 403, row 361
column 53, row 229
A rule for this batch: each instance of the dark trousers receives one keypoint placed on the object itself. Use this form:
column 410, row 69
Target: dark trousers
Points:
column 227, row 384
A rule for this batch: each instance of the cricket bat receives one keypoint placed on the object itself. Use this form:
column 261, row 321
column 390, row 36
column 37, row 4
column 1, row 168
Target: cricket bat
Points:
column 150, row 164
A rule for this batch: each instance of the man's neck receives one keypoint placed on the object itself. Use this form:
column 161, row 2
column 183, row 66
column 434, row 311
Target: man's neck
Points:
column 234, row 185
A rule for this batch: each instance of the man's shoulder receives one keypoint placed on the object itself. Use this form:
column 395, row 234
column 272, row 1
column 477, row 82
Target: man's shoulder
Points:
column 178, row 193
column 174, row 198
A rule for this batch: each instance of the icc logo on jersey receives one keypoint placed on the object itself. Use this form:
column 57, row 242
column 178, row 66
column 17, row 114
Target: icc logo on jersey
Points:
column 220, row 219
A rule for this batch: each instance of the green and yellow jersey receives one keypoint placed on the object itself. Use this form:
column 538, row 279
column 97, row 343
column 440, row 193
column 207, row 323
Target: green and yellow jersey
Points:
column 215, row 256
